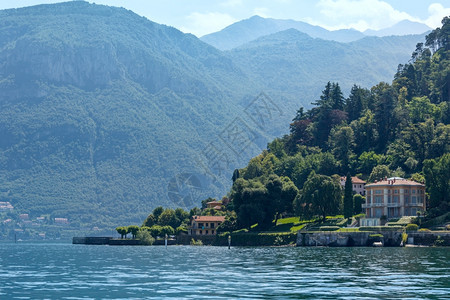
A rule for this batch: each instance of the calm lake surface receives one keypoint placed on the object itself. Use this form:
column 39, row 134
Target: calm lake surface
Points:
column 65, row 271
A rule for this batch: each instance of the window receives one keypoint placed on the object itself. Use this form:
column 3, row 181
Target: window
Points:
column 378, row 192
column 413, row 199
column 389, row 199
column 378, row 199
column 212, row 225
column 378, row 212
column 395, row 199
column 368, row 199
column 395, row 191
column 406, row 191
column 413, row 191
column 201, row 232
column 206, row 232
column 406, row 199
column 200, row 224
column 212, row 231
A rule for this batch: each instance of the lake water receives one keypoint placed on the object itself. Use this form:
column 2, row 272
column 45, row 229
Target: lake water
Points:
column 65, row 271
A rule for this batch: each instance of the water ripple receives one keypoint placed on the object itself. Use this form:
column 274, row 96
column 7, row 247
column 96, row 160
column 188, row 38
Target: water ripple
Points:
column 64, row 271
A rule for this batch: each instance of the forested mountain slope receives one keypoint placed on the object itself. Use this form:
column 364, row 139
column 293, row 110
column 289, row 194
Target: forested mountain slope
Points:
column 400, row 129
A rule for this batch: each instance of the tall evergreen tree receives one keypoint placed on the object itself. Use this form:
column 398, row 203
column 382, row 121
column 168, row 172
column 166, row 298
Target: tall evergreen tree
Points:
column 348, row 197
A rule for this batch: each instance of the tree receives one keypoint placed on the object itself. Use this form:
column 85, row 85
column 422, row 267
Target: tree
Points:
column 133, row 229
column 235, row 175
column 342, row 142
column 437, row 179
column 379, row 172
column 122, row 231
column 385, row 101
column 149, row 221
column 230, row 223
column 320, row 196
column 356, row 102
column 157, row 212
column 365, row 131
column 182, row 215
column 358, row 201
column 169, row 218
column 368, row 160
column 348, row 197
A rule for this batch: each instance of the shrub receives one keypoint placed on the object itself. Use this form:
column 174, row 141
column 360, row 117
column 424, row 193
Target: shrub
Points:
column 424, row 230
column 328, row 228
column 412, row 227
column 181, row 230
column 145, row 237
column 404, row 238
column 196, row 242
column 439, row 241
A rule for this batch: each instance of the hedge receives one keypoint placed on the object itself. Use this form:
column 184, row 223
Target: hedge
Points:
column 381, row 228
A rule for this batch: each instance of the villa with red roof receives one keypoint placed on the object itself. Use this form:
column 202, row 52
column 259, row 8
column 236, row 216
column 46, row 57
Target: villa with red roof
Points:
column 357, row 185
column 205, row 225
column 394, row 198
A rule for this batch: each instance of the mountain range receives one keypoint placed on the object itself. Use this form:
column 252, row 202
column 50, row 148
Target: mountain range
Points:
column 247, row 30
column 105, row 115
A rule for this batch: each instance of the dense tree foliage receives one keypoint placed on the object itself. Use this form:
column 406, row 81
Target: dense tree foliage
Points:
column 398, row 129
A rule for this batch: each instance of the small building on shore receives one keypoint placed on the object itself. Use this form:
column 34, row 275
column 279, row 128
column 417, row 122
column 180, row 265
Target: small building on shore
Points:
column 217, row 205
column 392, row 198
column 205, row 225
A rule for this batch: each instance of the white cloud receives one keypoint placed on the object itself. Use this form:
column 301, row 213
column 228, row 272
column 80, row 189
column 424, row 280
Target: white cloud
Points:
column 437, row 13
column 231, row 3
column 204, row 23
column 360, row 14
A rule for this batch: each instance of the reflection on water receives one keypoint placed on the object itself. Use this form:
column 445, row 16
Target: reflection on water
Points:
column 64, row 271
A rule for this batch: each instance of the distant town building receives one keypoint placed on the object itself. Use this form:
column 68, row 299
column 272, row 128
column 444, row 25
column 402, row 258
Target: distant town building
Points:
column 357, row 185
column 393, row 198
column 24, row 216
column 205, row 225
column 61, row 221
column 6, row 206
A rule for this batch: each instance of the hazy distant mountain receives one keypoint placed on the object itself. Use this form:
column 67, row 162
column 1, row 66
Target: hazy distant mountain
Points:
column 250, row 29
column 295, row 65
column 105, row 115
column 401, row 28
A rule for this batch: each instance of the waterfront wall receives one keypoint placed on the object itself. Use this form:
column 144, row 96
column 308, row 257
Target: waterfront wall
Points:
column 424, row 238
column 348, row 239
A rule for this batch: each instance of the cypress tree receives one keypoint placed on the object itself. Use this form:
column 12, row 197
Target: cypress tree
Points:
column 348, row 197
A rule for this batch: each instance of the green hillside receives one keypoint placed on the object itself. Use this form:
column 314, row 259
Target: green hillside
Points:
column 400, row 129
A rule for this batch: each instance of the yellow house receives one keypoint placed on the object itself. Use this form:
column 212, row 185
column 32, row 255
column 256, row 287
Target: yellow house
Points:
column 205, row 225
column 394, row 198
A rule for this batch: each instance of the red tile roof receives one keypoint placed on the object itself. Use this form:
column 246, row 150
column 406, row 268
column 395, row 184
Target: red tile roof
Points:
column 394, row 182
column 355, row 180
column 208, row 218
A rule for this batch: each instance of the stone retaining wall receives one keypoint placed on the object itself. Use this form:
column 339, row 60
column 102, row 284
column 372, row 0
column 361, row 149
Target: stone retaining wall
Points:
column 348, row 239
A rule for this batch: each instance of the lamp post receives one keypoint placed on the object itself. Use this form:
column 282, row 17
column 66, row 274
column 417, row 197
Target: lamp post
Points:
column 229, row 241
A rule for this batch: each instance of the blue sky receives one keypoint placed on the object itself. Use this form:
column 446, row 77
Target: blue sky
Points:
column 205, row 16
